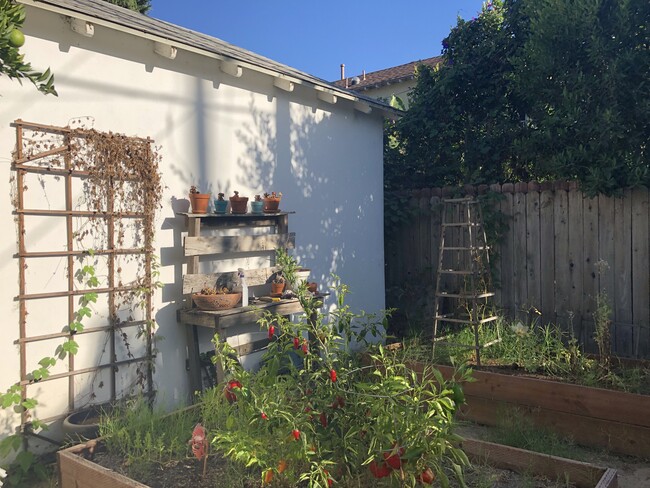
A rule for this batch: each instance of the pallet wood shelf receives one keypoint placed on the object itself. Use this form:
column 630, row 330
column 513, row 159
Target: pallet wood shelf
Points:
column 215, row 248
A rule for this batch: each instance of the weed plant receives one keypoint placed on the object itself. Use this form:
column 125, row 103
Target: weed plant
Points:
column 144, row 437
column 515, row 428
column 539, row 349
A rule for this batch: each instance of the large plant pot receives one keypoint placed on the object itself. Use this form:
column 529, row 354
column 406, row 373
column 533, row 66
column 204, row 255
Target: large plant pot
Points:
column 82, row 425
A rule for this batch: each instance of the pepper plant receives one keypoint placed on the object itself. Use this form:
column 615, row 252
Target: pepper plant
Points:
column 318, row 414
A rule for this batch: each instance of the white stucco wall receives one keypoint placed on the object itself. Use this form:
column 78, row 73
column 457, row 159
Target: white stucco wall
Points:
column 218, row 132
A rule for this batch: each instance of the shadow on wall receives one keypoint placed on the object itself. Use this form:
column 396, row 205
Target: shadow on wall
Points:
column 305, row 153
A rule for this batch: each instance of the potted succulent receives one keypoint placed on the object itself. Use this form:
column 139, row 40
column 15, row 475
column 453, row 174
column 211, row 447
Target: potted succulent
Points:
column 220, row 204
column 199, row 201
column 257, row 205
column 238, row 205
column 216, row 298
column 272, row 202
column 277, row 284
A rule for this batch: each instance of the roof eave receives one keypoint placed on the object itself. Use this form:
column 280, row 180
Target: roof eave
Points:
column 325, row 87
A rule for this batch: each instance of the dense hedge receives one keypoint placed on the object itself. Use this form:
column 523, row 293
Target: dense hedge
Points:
column 532, row 90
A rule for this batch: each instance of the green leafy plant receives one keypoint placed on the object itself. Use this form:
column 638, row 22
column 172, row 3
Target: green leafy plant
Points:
column 317, row 413
column 12, row 62
column 26, row 466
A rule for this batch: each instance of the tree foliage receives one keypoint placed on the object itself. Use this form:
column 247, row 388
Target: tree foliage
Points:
column 532, row 90
column 12, row 62
column 142, row 6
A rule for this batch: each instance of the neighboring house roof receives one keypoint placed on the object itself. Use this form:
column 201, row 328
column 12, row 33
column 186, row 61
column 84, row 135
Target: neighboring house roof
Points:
column 388, row 76
column 109, row 15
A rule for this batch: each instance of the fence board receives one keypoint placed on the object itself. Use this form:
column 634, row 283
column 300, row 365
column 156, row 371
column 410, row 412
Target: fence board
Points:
column 506, row 274
column 623, row 274
column 533, row 251
column 605, row 265
column 547, row 257
column 589, row 274
column 561, row 236
column 519, row 255
column 575, row 265
column 640, row 270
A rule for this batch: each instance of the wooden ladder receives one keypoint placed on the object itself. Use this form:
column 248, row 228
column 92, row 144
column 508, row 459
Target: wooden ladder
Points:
column 463, row 281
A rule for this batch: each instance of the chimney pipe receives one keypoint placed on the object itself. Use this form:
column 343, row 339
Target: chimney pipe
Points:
column 342, row 71
column 364, row 75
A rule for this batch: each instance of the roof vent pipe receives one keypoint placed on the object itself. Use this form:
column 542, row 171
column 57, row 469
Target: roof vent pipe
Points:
column 364, row 75
column 342, row 71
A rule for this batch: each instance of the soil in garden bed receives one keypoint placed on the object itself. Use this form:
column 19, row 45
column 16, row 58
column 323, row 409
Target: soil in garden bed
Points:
column 187, row 472
column 175, row 474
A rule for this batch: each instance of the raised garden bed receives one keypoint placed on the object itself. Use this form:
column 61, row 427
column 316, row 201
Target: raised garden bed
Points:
column 593, row 417
column 75, row 471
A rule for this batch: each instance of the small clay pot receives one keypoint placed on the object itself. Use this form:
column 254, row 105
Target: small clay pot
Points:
column 277, row 288
column 199, row 202
column 238, row 205
column 271, row 204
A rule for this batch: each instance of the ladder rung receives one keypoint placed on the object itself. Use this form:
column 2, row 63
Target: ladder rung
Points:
column 475, row 248
column 442, row 341
column 454, row 271
column 446, row 318
column 461, row 224
column 459, row 200
column 462, row 295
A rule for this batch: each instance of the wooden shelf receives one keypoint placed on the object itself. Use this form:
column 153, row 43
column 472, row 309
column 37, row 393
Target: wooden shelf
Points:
column 222, row 319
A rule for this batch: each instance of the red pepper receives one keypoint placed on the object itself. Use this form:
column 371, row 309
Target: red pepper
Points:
column 427, row 477
column 296, row 343
column 379, row 470
column 333, row 375
column 271, row 331
column 305, row 347
column 264, row 416
column 323, row 419
column 228, row 390
column 296, row 434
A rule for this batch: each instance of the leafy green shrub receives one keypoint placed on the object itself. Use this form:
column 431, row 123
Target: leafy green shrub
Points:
column 319, row 414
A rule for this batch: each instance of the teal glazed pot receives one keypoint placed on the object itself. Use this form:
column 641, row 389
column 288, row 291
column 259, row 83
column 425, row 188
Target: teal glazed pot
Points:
column 220, row 206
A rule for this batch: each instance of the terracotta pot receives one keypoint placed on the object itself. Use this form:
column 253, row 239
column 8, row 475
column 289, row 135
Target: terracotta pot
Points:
column 199, row 202
column 277, row 288
column 239, row 205
column 271, row 204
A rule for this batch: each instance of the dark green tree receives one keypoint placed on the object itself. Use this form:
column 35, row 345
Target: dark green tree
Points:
column 12, row 62
column 142, row 6
column 544, row 89
column 585, row 75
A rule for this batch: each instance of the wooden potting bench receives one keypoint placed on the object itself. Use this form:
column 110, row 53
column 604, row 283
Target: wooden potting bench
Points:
column 215, row 248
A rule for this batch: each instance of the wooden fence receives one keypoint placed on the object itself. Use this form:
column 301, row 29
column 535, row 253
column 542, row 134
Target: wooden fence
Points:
column 559, row 251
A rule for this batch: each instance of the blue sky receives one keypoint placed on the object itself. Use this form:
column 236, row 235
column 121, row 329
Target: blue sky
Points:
column 317, row 37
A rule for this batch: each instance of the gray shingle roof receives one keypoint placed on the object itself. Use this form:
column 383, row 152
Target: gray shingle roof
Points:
column 180, row 36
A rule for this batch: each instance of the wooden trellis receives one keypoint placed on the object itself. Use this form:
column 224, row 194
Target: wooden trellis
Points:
column 56, row 160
